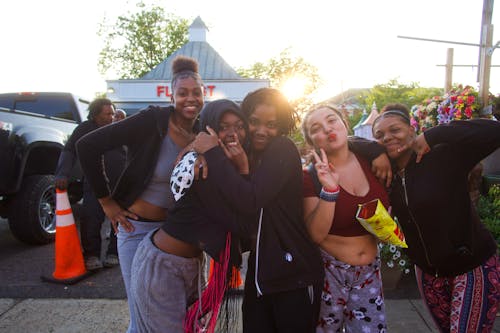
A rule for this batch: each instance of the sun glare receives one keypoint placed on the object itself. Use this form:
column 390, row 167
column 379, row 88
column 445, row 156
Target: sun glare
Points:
column 294, row 87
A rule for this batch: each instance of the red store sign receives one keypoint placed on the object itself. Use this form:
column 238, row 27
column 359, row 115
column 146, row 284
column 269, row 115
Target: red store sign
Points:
column 164, row 91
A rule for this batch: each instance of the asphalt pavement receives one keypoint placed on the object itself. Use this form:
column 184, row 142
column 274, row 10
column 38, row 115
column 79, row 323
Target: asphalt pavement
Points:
column 98, row 303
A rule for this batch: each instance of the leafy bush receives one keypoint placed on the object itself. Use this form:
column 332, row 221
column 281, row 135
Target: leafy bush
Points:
column 395, row 257
column 488, row 208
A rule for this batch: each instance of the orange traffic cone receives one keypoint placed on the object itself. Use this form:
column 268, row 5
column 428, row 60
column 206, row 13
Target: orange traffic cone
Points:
column 69, row 265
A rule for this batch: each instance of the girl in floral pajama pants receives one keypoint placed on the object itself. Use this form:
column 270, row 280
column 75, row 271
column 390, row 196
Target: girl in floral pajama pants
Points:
column 352, row 298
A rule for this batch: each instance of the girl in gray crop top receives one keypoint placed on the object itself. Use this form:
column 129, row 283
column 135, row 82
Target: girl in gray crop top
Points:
column 158, row 190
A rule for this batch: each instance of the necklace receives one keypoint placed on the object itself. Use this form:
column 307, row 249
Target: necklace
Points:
column 181, row 131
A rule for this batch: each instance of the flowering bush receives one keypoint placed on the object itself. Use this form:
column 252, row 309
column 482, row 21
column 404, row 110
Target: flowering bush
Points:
column 392, row 256
column 458, row 104
column 424, row 116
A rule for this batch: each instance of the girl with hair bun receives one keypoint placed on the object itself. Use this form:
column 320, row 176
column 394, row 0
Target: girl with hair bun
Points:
column 142, row 197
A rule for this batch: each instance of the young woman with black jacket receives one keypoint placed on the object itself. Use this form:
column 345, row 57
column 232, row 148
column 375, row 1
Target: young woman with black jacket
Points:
column 285, row 273
column 163, row 283
column 154, row 137
column 455, row 256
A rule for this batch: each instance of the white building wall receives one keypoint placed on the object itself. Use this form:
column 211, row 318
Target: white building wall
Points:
column 158, row 91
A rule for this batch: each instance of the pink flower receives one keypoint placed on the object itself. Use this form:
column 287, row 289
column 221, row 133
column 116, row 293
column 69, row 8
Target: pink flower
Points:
column 468, row 112
column 470, row 99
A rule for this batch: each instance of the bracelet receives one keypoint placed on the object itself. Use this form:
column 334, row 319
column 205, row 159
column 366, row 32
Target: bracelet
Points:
column 331, row 190
column 329, row 196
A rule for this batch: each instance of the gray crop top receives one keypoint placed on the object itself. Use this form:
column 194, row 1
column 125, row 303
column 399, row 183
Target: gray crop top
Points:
column 158, row 190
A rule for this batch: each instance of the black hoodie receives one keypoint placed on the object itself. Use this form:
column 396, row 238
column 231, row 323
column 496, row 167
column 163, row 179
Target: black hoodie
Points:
column 213, row 112
column 202, row 217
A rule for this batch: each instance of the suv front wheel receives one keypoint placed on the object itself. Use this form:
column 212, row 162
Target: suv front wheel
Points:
column 32, row 212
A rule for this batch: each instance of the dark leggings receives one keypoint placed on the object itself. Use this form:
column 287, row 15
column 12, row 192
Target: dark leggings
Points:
column 90, row 225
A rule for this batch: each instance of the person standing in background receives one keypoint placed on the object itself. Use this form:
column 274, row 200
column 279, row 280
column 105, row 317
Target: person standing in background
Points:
column 119, row 115
column 101, row 112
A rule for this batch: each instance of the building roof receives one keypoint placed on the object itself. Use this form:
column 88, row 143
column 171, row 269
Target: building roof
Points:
column 372, row 116
column 198, row 23
column 211, row 65
column 364, row 115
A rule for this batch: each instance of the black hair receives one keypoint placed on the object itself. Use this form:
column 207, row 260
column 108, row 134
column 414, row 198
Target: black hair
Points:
column 184, row 67
column 95, row 107
column 285, row 113
column 394, row 109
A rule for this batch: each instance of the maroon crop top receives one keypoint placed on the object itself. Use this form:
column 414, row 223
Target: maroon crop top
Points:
column 344, row 221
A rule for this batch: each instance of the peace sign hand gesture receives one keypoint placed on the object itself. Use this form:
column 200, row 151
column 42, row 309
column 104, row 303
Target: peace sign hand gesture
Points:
column 326, row 171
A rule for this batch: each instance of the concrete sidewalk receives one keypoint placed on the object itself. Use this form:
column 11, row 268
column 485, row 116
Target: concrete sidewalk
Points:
column 101, row 315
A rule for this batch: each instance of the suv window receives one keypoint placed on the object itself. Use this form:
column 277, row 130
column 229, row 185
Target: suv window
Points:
column 52, row 106
column 6, row 101
column 84, row 107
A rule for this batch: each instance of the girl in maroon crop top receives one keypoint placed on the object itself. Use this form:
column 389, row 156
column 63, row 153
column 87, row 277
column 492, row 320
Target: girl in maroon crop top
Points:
column 344, row 221
column 350, row 254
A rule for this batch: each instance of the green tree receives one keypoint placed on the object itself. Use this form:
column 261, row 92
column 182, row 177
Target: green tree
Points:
column 280, row 69
column 137, row 42
column 397, row 92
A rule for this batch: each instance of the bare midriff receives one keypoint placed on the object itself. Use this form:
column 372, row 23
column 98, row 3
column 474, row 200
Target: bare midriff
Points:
column 148, row 210
column 355, row 250
column 174, row 246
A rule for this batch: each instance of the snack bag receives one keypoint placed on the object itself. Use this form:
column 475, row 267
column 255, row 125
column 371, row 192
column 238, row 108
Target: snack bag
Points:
column 376, row 220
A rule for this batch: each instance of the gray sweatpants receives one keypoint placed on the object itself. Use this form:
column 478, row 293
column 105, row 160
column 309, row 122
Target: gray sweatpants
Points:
column 162, row 285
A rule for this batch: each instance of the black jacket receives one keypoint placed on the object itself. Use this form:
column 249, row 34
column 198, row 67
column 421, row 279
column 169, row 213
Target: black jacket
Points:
column 68, row 156
column 285, row 257
column 113, row 160
column 444, row 234
column 142, row 134
column 202, row 216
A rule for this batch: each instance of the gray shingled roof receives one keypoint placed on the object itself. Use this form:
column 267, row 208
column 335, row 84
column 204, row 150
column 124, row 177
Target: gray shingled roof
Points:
column 211, row 65
column 198, row 23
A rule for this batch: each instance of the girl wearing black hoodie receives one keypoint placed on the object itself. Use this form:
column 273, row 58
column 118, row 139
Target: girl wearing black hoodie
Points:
column 166, row 271
column 285, row 272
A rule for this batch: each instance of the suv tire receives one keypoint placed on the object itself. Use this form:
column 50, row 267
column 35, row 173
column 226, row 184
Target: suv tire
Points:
column 32, row 217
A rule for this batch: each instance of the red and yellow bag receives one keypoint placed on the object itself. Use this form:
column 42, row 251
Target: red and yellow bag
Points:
column 375, row 219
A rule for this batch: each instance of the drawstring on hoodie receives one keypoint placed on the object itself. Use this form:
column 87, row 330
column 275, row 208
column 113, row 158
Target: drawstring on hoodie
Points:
column 259, row 292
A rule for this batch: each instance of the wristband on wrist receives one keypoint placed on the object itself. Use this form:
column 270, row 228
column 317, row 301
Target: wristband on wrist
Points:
column 328, row 195
column 331, row 190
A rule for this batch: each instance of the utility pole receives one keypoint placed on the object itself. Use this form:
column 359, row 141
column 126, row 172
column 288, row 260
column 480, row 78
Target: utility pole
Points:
column 485, row 51
column 449, row 70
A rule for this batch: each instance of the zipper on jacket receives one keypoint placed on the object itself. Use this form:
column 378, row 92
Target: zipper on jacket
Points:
column 257, row 245
column 403, row 182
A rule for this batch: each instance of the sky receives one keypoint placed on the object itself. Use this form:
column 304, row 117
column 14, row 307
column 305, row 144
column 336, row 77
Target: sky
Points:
column 52, row 45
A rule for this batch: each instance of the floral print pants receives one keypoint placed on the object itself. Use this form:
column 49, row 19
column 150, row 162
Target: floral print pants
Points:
column 352, row 298
column 465, row 303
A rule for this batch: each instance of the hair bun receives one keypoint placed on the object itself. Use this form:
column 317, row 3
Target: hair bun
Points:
column 182, row 64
